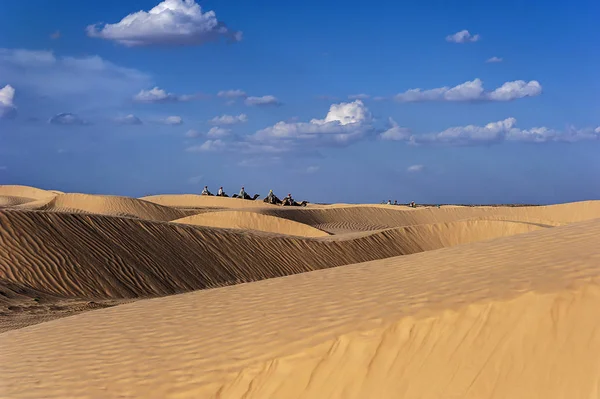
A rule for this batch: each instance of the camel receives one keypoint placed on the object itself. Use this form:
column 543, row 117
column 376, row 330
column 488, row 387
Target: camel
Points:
column 246, row 197
column 272, row 199
column 291, row 202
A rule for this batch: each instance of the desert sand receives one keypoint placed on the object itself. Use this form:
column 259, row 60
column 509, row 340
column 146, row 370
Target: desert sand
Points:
column 184, row 296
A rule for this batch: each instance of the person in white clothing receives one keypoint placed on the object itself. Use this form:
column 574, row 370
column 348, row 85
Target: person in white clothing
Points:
column 220, row 192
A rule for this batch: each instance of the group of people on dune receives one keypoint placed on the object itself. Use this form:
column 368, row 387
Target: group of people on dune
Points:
column 271, row 198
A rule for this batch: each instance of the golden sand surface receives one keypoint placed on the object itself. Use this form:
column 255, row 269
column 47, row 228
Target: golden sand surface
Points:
column 201, row 297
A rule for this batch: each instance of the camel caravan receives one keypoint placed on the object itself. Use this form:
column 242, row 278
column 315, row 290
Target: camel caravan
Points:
column 271, row 198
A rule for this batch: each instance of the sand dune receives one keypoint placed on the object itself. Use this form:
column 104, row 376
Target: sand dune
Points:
column 252, row 221
column 204, row 201
column 24, row 191
column 367, row 217
column 507, row 318
column 106, row 205
column 98, row 256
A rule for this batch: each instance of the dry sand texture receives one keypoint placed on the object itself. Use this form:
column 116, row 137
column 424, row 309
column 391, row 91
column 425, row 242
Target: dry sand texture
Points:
column 451, row 302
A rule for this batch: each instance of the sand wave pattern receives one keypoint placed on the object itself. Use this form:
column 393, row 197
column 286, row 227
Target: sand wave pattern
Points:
column 98, row 256
column 513, row 317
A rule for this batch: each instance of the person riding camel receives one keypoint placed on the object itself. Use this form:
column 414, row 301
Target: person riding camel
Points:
column 220, row 193
column 205, row 191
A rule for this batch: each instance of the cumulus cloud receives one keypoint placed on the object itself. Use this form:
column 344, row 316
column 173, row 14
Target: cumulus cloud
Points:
column 232, row 94
column 172, row 22
column 462, row 37
column 192, row 134
column 262, row 101
column 229, row 119
column 156, row 95
column 7, row 107
column 415, row 168
column 517, row 89
column 172, row 120
column 494, row 60
column 218, row 132
column 128, row 120
column 344, row 123
column 395, row 132
column 498, row 132
column 67, row 118
column 473, row 91
column 64, row 82
column 361, row 96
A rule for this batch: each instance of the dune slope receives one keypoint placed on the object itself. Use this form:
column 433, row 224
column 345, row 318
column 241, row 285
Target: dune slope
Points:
column 512, row 317
column 252, row 221
column 94, row 256
column 338, row 219
column 108, row 205
column 25, row 191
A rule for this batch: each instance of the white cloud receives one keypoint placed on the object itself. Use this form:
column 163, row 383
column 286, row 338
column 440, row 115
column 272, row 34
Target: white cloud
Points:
column 67, row 118
column 229, row 119
column 395, row 132
column 597, row 130
column 66, row 82
column 312, row 169
column 172, row 120
column 216, row 132
column 232, row 94
column 262, row 101
column 415, row 168
column 462, row 37
column 343, row 124
column 517, row 89
column 473, row 91
column 192, row 134
column 172, row 22
column 128, row 120
column 237, row 147
column 361, row 96
column 156, row 95
column 7, row 107
column 501, row 131
column 494, row 60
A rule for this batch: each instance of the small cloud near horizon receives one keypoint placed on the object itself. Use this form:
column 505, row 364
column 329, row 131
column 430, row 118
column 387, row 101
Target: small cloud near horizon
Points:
column 494, row 60
column 415, row 168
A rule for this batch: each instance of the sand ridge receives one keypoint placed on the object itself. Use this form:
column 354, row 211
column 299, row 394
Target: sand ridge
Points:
column 375, row 217
column 252, row 221
column 512, row 315
column 98, row 256
column 106, row 205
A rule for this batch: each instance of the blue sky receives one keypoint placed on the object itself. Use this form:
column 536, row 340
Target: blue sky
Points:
column 470, row 102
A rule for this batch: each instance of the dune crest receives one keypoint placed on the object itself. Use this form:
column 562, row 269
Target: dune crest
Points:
column 25, row 191
column 129, row 258
column 503, row 318
column 339, row 219
column 204, row 201
column 252, row 221
column 106, row 205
